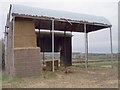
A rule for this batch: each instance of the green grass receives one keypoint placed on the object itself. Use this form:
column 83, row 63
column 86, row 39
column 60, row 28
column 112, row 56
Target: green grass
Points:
column 102, row 64
column 4, row 77
column 118, row 65
column 10, row 79
column 17, row 79
column 52, row 75
column 97, row 64
column 0, row 80
column 0, row 76
column 119, row 62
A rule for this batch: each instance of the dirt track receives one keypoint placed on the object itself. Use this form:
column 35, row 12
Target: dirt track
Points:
column 98, row 77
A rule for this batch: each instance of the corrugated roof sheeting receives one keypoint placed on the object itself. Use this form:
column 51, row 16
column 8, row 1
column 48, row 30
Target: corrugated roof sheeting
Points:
column 64, row 21
column 25, row 10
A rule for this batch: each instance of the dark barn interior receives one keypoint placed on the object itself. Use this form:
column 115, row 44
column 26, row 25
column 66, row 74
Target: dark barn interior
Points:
column 62, row 43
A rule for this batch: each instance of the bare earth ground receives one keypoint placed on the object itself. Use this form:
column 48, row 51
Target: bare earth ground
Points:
column 76, row 77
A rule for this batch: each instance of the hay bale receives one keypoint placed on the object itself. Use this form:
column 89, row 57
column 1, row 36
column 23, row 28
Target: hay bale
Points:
column 24, row 34
column 27, row 61
column 49, row 65
column 26, row 53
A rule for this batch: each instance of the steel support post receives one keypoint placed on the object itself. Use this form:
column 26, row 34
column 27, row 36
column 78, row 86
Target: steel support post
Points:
column 39, row 37
column 65, row 48
column 111, row 47
column 43, row 52
column 13, row 46
column 43, row 58
column 86, row 46
column 5, row 40
column 53, row 45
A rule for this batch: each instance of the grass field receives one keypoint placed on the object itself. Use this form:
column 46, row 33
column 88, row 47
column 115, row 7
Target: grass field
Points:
column 98, row 75
column 97, row 64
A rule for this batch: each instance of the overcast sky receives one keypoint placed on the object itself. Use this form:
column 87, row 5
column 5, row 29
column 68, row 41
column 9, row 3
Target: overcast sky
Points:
column 99, row 41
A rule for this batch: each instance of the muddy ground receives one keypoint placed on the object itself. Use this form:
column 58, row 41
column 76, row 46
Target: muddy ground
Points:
column 75, row 77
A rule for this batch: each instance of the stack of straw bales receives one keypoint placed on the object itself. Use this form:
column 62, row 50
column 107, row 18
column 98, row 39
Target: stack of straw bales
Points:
column 26, row 53
column 27, row 62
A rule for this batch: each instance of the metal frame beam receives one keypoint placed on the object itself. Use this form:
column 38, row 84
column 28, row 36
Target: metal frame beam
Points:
column 13, row 46
column 5, row 43
column 43, row 53
column 62, row 20
column 39, row 37
column 39, row 34
column 43, row 58
column 65, row 48
column 86, row 45
column 111, row 47
column 53, row 45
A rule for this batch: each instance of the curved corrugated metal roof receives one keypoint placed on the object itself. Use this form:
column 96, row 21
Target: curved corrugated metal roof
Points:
column 25, row 10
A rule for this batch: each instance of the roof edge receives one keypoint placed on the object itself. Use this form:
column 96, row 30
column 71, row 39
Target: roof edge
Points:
column 44, row 15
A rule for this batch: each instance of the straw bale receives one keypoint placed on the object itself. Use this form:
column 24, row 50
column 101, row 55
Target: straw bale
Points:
column 49, row 65
column 26, row 53
column 27, row 61
column 24, row 33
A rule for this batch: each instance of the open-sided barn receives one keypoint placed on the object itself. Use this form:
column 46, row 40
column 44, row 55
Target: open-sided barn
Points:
column 23, row 44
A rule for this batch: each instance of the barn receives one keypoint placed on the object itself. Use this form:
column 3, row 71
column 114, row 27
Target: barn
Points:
column 25, row 40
